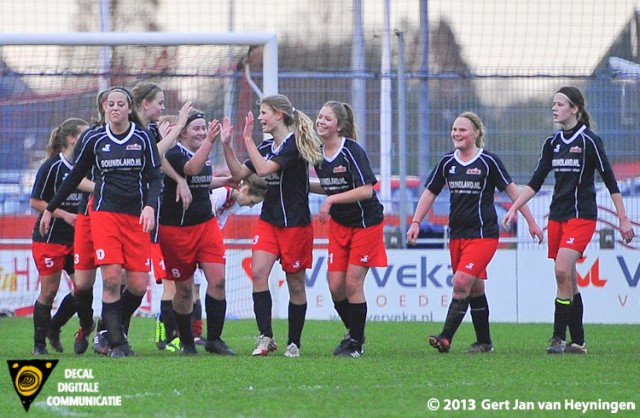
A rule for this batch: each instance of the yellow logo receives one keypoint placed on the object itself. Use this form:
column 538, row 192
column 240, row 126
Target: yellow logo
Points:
column 29, row 376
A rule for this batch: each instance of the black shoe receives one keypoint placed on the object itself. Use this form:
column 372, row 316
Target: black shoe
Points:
column 54, row 340
column 218, row 347
column 353, row 349
column 189, row 350
column 440, row 343
column 101, row 343
column 81, row 342
column 40, row 350
column 344, row 343
column 557, row 346
column 122, row 351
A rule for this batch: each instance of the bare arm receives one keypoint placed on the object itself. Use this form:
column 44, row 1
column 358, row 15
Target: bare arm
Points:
column 263, row 167
column 170, row 136
column 195, row 165
column 40, row 206
column 86, row 185
column 525, row 195
column 626, row 229
column 315, row 187
column 424, row 204
column 350, row 196
column 238, row 170
column 534, row 230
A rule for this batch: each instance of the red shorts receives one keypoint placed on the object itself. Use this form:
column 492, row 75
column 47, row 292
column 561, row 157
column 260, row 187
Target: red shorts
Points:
column 574, row 234
column 157, row 263
column 187, row 246
column 292, row 244
column 472, row 256
column 358, row 246
column 84, row 256
column 118, row 238
column 52, row 258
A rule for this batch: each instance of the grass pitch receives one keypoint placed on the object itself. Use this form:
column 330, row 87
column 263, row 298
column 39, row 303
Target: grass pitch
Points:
column 399, row 376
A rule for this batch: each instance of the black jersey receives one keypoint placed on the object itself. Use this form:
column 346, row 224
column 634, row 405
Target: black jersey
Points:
column 48, row 180
column 286, row 202
column 472, row 186
column 154, row 130
column 574, row 157
column 348, row 169
column 83, row 206
column 199, row 211
column 128, row 171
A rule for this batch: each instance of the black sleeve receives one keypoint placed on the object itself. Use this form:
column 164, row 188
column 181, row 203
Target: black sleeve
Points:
column 543, row 167
column 79, row 171
column 154, row 177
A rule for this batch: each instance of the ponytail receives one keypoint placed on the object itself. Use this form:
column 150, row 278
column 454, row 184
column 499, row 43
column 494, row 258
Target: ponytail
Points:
column 307, row 140
column 58, row 137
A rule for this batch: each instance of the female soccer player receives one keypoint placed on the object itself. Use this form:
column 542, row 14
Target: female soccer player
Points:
column 125, row 201
column 284, row 230
column 356, row 240
column 53, row 252
column 574, row 153
column 472, row 174
column 192, row 237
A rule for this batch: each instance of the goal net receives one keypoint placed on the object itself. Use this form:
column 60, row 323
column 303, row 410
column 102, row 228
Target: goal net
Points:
column 48, row 78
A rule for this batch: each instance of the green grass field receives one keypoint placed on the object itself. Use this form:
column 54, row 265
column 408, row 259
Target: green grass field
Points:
column 399, row 375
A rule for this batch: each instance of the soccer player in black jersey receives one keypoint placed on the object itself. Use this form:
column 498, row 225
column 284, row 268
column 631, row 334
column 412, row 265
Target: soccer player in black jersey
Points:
column 472, row 175
column 148, row 100
column 573, row 153
column 284, row 230
column 125, row 200
column 356, row 240
column 192, row 237
column 53, row 252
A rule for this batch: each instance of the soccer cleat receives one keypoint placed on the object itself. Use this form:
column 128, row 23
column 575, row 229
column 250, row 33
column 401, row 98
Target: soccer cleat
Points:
column 264, row 345
column 480, row 348
column 574, row 348
column 557, row 346
column 353, row 349
column 199, row 341
column 173, row 346
column 121, row 351
column 101, row 343
column 54, row 340
column 160, row 337
column 189, row 350
column 343, row 345
column 40, row 350
column 81, row 342
column 218, row 346
column 292, row 350
column 440, row 343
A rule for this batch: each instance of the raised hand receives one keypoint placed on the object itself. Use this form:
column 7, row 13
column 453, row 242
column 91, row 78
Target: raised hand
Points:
column 227, row 131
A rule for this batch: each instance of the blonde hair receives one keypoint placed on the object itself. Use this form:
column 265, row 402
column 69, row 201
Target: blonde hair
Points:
column 58, row 138
column 172, row 119
column 477, row 123
column 307, row 141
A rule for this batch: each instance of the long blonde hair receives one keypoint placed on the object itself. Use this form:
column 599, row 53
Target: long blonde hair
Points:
column 307, row 140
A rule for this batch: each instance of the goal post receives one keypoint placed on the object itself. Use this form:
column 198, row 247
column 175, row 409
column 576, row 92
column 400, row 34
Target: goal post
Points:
column 268, row 40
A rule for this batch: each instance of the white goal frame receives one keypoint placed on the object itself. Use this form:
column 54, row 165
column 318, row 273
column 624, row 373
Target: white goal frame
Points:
column 268, row 40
